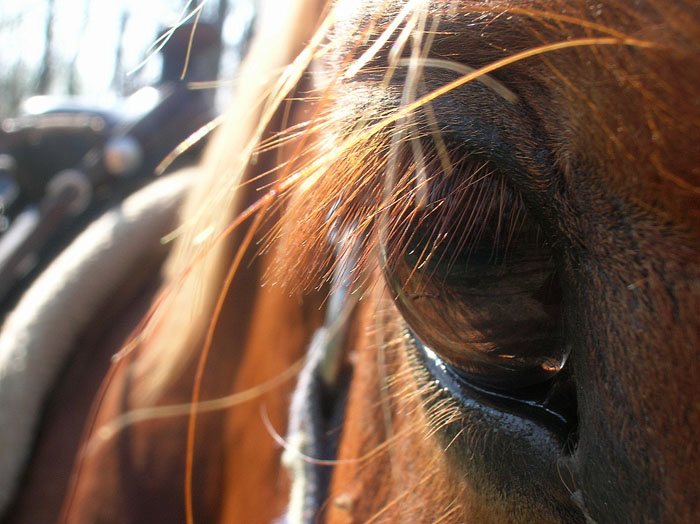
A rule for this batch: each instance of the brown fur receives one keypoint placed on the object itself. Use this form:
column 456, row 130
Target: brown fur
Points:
column 601, row 144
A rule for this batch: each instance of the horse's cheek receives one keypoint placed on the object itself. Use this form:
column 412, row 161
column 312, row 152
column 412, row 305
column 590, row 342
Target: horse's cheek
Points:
column 638, row 380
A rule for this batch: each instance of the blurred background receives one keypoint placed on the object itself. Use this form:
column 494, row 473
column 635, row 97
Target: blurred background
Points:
column 97, row 98
column 92, row 49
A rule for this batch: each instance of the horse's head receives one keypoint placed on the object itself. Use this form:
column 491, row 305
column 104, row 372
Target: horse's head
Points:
column 496, row 205
column 522, row 181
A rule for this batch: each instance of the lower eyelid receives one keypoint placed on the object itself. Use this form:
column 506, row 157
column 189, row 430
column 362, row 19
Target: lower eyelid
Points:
column 535, row 404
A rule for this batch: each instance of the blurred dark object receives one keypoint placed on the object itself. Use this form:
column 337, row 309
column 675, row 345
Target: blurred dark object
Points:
column 63, row 165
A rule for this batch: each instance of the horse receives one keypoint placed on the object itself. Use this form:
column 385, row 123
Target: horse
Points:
column 469, row 230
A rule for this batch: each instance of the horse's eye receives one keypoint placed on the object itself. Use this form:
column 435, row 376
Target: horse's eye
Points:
column 476, row 282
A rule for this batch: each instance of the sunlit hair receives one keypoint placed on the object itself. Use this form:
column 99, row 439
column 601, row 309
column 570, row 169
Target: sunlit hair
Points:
column 346, row 105
column 358, row 155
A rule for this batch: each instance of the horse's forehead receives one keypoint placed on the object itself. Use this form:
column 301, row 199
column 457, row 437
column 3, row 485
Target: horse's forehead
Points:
column 622, row 109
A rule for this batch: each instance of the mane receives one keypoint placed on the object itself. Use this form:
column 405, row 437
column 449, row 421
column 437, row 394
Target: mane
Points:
column 202, row 250
column 371, row 172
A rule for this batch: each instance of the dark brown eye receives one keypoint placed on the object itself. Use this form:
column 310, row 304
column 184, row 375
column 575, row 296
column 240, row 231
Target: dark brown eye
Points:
column 476, row 282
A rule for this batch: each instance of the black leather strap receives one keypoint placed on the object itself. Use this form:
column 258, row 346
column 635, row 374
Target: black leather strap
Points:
column 316, row 417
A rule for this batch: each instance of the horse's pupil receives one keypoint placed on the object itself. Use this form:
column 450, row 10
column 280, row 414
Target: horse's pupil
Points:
column 484, row 296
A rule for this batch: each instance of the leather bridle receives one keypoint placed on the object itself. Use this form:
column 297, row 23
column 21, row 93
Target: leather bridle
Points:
column 318, row 403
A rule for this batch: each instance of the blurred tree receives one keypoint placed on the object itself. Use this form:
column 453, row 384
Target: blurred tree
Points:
column 118, row 78
column 15, row 83
column 46, row 68
column 74, row 86
column 64, row 61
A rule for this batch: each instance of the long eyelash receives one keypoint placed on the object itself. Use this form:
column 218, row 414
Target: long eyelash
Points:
column 457, row 216
column 456, row 207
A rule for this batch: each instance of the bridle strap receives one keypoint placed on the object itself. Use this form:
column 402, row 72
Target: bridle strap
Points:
column 316, row 416
column 318, row 403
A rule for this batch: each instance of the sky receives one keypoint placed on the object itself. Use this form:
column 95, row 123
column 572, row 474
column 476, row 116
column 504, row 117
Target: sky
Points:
column 93, row 41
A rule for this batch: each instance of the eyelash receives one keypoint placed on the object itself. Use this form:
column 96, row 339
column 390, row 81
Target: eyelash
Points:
column 459, row 208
